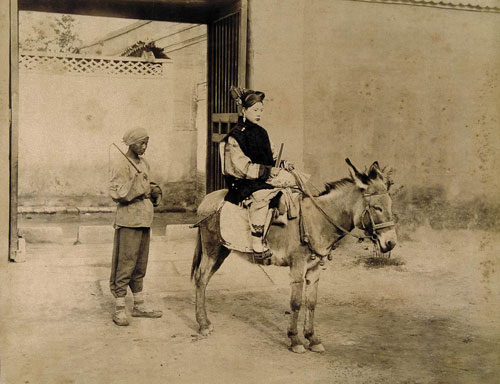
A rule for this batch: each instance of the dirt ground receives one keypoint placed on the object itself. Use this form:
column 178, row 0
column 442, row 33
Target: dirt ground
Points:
column 432, row 316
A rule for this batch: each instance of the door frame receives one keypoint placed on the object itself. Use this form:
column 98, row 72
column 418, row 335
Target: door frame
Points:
column 213, row 175
column 13, row 128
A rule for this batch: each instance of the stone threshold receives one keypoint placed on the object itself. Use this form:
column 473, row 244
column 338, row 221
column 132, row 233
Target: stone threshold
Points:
column 99, row 234
column 79, row 210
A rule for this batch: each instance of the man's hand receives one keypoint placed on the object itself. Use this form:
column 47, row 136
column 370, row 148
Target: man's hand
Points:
column 156, row 194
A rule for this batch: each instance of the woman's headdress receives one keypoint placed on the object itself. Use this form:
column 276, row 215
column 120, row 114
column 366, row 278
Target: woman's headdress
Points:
column 246, row 97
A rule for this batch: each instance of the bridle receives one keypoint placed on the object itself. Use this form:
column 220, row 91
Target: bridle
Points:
column 373, row 227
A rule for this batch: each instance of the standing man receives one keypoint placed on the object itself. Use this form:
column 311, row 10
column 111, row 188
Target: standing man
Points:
column 135, row 196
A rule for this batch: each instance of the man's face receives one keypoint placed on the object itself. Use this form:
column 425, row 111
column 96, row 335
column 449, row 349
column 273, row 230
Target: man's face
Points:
column 140, row 147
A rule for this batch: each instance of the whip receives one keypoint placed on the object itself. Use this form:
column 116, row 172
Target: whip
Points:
column 130, row 161
column 278, row 160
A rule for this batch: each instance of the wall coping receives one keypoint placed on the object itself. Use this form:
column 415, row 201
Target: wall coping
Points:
column 93, row 57
column 471, row 5
column 92, row 65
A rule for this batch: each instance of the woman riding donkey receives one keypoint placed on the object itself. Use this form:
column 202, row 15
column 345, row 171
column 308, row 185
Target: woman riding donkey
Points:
column 250, row 168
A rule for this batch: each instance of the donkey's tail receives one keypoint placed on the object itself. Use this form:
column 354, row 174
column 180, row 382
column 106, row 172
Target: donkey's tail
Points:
column 197, row 255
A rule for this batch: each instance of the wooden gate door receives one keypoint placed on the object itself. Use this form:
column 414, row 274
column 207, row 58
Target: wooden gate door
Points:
column 227, row 45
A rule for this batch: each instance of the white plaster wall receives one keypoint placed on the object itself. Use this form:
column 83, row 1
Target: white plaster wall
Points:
column 276, row 67
column 67, row 123
column 416, row 88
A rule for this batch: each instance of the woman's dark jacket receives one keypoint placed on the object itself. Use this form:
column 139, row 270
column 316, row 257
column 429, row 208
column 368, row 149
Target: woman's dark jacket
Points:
column 254, row 142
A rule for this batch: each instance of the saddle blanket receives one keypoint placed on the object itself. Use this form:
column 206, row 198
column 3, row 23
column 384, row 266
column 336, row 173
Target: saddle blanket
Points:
column 234, row 222
column 234, row 227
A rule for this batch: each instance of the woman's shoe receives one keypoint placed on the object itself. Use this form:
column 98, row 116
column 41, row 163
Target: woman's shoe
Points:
column 263, row 258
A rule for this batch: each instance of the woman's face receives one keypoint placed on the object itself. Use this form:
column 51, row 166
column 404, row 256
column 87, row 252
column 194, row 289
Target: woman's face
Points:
column 254, row 113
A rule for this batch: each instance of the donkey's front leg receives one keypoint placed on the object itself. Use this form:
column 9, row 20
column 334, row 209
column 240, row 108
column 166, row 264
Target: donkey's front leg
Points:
column 311, row 292
column 297, row 284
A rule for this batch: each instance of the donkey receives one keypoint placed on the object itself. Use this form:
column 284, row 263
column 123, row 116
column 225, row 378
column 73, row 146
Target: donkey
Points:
column 361, row 201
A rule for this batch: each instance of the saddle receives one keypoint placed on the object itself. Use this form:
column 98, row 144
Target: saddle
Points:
column 233, row 223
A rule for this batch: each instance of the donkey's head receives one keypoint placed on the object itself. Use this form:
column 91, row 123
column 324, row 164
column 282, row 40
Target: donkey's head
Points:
column 374, row 215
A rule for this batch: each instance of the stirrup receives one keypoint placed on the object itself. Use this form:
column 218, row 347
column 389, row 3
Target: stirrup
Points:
column 263, row 258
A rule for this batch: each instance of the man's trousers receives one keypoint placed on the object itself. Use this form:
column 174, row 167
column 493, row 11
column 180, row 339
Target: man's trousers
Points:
column 130, row 260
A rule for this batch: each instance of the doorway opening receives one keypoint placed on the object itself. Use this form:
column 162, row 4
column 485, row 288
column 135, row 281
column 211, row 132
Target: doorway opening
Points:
column 224, row 23
column 85, row 80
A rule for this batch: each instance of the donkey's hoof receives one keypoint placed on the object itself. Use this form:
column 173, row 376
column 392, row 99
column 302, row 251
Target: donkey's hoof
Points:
column 299, row 348
column 205, row 331
column 317, row 348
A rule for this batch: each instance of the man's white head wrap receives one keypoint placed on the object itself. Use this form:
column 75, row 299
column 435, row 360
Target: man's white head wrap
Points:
column 134, row 135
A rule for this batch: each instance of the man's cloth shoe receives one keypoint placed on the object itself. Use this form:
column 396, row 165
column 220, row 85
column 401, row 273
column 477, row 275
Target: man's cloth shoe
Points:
column 120, row 317
column 145, row 312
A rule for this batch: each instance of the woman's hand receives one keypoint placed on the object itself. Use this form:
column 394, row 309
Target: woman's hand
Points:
column 274, row 172
column 287, row 166
column 267, row 171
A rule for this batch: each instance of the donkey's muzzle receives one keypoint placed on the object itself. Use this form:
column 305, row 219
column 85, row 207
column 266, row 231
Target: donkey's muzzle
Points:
column 387, row 240
column 389, row 246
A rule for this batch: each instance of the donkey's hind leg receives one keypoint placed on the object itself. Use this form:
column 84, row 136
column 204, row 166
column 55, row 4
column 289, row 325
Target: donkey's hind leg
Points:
column 311, row 293
column 297, row 272
column 213, row 255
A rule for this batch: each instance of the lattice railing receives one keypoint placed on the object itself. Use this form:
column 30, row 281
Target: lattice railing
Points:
column 91, row 65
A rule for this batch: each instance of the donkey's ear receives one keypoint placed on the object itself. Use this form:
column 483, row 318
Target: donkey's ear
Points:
column 375, row 172
column 358, row 178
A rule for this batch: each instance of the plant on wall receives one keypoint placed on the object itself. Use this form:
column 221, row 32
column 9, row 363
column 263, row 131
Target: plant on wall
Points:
column 141, row 48
column 53, row 33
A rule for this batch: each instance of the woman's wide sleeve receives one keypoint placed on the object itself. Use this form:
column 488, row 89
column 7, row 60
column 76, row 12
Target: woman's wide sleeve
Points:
column 239, row 165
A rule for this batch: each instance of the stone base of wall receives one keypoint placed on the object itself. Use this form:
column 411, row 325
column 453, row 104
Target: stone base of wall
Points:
column 178, row 196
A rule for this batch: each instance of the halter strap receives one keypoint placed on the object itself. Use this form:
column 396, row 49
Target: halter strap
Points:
column 387, row 224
